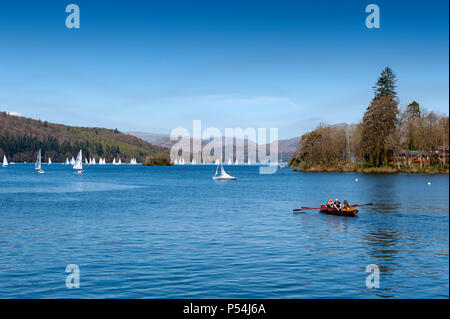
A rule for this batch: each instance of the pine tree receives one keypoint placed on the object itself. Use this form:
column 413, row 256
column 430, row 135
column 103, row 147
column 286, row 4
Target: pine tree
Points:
column 386, row 84
column 380, row 119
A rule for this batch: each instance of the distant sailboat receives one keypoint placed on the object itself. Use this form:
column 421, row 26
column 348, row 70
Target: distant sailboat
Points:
column 193, row 161
column 37, row 165
column 229, row 161
column 249, row 162
column 133, row 161
column 114, row 161
column 93, row 161
column 72, row 161
column 5, row 161
column 67, row 162
column 217, row 162
column 86, row 161
column 237, row 162
column 120, row 161
column 49, row 161
column 79, row 163
column 223, row 175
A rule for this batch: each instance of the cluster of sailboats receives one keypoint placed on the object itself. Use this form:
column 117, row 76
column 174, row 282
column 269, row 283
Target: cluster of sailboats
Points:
column 77, row 163
column 181, row 161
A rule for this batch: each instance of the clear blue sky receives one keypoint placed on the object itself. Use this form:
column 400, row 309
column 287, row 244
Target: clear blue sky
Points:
column 156, row 65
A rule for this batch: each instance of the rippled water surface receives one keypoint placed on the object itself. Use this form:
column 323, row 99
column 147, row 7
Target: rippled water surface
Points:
column 153, row 232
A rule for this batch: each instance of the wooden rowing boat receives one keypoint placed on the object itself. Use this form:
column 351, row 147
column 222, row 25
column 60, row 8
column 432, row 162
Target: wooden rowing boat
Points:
column 333, row 211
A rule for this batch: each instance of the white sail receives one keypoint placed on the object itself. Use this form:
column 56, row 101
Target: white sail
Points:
column 5, row 161
column 93, row 161
column 114, row 161
column 72, row 161
column 194, row 161
column 120, row 161
column 229, row 161
column 79, row 162
column 237, row 162
column 249, row 162
column 67, row 161
column 223, row 175
column 37, row 165
column 49, row 161
column 86, row 161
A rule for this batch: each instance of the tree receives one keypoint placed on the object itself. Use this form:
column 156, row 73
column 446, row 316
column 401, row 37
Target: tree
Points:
column 413, row 111
column 386, row 84
column 379, row 122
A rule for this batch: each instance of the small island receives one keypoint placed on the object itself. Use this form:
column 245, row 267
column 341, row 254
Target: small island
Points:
column 157, row 160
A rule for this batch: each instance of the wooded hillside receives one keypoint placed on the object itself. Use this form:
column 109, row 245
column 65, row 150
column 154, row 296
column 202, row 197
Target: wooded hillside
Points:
column 21, row 138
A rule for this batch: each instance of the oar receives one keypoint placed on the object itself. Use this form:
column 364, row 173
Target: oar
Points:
column 303, row 208
column 357, row 205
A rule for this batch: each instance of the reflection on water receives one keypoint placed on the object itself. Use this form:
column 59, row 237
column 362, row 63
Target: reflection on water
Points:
column 154, row 232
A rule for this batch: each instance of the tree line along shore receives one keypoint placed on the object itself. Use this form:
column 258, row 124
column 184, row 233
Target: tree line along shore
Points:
column 387, row 140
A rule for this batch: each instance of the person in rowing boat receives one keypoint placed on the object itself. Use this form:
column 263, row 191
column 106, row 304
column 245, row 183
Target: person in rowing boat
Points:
column 337, row 204
column 330, row 203
column 346, row 206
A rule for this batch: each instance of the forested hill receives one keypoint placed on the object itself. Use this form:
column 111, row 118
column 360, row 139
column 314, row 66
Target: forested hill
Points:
column 21, row 138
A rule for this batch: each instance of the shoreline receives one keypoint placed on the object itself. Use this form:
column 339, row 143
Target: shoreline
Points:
column 370, row 170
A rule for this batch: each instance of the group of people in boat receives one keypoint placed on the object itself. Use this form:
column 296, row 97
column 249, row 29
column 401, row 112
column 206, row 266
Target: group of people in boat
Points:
column 336, row 204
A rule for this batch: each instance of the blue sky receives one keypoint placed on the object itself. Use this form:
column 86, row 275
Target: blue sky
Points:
column 156, row 65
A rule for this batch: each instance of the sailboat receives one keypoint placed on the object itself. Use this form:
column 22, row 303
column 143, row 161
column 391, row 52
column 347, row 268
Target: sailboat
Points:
column 114, row 161
column 133, row 161
column 49, row 161
column 223, row 175
column 67, row 162
column 79, row 163
column 86, row 161
column 193, row 161
column 72, row 161
column 249, row 162
column 37, row 165
column 120, row 161
column 217, row 161
column 237, row 162
column 5, row 161
column 229, row 161
column 93, row 161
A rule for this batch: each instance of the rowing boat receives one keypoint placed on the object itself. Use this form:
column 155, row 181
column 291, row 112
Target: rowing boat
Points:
column 333, row 211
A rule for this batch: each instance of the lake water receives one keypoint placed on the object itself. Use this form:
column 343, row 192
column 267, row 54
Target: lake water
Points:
column 153, row 232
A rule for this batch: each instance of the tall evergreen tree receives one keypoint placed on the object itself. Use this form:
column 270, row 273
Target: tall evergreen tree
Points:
column 386, row 84
column 380, row 119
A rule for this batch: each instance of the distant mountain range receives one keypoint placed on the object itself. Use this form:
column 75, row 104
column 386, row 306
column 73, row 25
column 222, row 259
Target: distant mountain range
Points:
column 21, row 138
column 286, row 147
